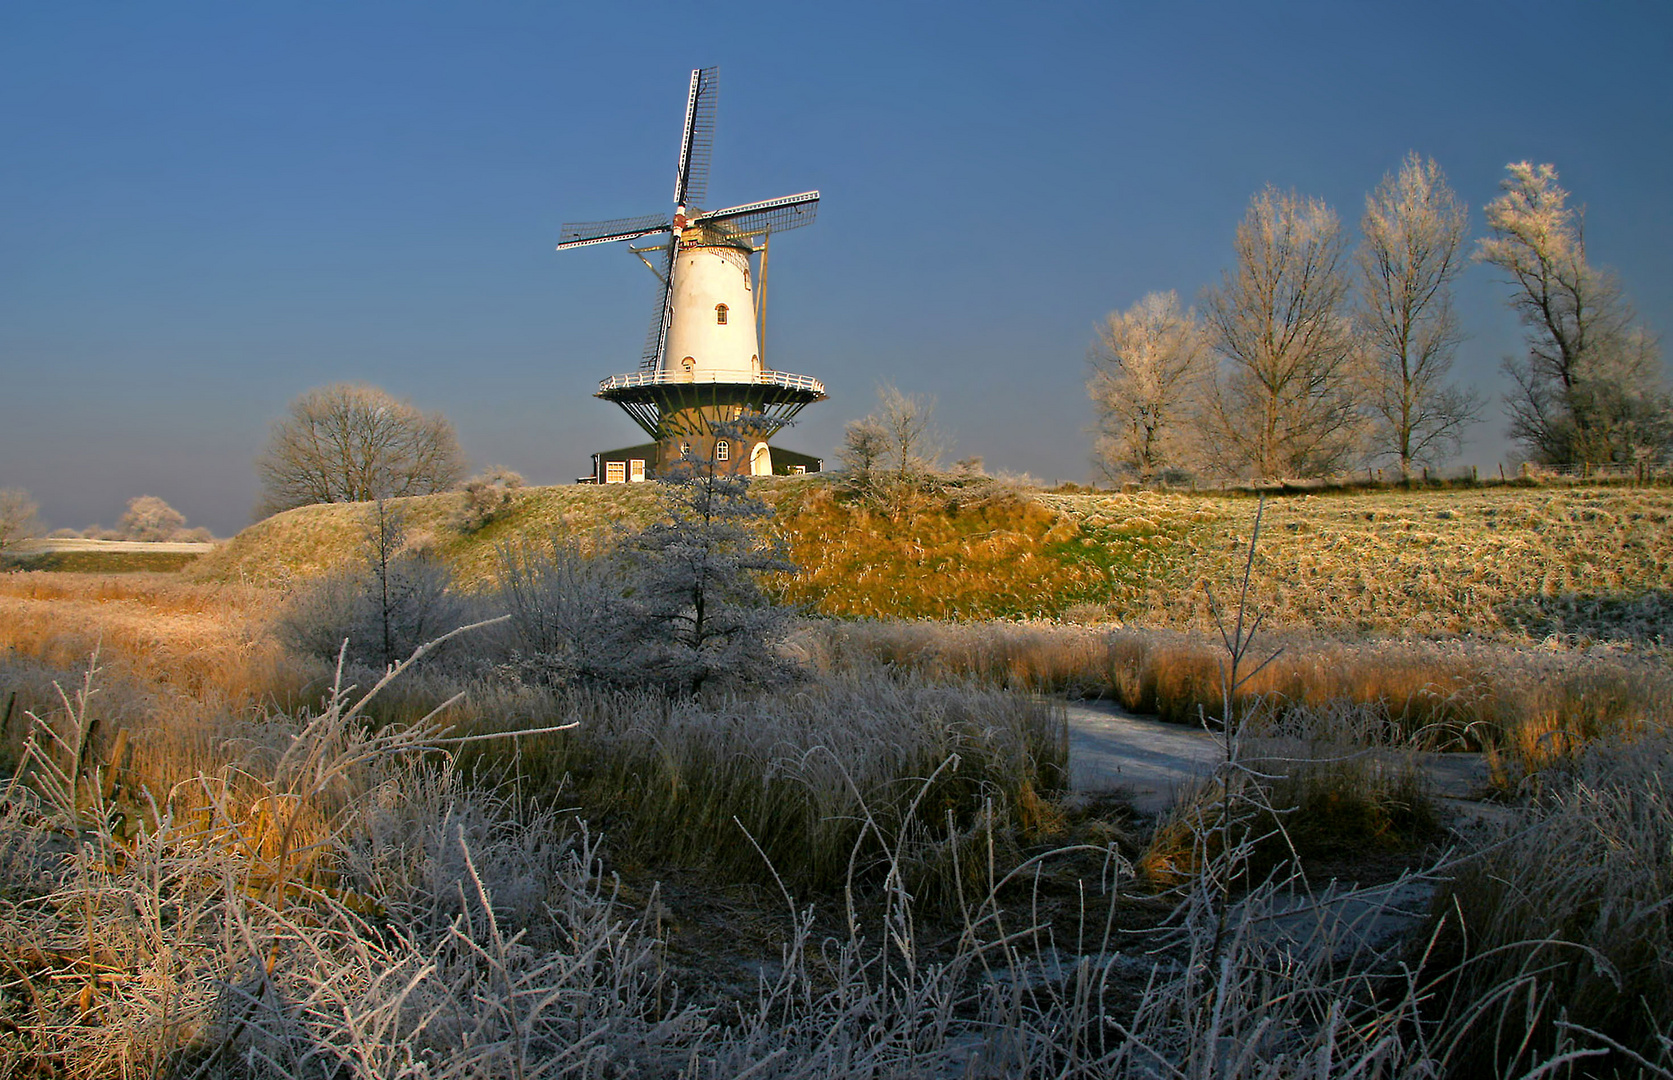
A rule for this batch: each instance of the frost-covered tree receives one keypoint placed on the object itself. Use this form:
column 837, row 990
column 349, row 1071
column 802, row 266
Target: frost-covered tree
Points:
column 864, row 442
column 1283, row 401
column 150, row 518
column 353, row 443
column 912, row 445
column 1589, row 389
column 17, row 517
column 697, row 610
column 1148, row 364
column 1414, row 229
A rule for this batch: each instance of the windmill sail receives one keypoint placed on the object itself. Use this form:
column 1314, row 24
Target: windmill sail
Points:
column 582, row 233
column 691, row 184
column 658, row 333
column 753, row 219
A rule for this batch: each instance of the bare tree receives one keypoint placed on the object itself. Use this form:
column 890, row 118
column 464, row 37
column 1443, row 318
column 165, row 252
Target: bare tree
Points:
column 150, row 518
column 1283, row 403
column 1148, row 364
column 1414, row 228
column 354, row 443
column 17, row 517
column 1589, row 389
column 912, row 445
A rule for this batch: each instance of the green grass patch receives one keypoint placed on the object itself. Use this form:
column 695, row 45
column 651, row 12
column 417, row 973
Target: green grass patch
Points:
column 102, row 562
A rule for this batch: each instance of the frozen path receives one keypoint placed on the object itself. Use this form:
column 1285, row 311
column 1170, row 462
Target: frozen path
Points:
column 1147, row 761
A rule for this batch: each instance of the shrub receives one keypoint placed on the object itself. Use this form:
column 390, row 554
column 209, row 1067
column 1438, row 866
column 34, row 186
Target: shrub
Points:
column 567, row 609
column 488, row 497
column 384, row 608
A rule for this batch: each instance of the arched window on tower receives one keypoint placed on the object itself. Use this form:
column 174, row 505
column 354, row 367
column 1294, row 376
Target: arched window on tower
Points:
column 723, row 451
column 720, row 314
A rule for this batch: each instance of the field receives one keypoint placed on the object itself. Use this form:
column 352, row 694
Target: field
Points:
column 221, row 858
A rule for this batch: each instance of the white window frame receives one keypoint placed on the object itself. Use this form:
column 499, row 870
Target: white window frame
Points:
column 636, row 470
column 723, row 450
column 615, row 472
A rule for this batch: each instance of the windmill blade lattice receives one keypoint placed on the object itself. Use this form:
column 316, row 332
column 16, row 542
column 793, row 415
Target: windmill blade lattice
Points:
column 771, row 215
column 582, row 233
column 658, row 332
column 691, row 183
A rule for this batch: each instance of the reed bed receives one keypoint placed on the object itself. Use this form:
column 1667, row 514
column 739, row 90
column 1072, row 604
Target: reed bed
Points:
column 781, row 777
column 1527, row 706
column 1566, row 914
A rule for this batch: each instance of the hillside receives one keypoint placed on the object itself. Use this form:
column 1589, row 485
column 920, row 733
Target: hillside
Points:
column 1506, row 562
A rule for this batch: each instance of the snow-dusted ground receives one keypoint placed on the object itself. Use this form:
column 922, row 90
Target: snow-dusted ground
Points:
column 53, row 546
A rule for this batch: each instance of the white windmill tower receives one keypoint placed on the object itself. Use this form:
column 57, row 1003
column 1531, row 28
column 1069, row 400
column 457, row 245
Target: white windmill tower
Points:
column 702, row 362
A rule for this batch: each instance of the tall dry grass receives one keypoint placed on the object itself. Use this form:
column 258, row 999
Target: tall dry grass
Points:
column 1527, row 706
column 1567, row 916
column 350, row 906
column 782, row 775
column 340, row 891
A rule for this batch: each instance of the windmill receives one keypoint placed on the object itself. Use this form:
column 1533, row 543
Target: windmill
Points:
column 702, row 364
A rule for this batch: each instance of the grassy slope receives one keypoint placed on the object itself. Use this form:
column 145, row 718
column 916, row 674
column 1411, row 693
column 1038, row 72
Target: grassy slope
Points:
column 1520, row 562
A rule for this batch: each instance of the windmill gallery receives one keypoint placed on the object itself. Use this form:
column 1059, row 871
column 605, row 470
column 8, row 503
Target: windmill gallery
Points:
column 702, row 390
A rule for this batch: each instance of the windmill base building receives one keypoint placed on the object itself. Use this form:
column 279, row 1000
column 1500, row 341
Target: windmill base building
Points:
column 702, row 392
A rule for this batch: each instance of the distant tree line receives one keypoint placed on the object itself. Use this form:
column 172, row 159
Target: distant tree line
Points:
column 1310, row 356
column 147, row 518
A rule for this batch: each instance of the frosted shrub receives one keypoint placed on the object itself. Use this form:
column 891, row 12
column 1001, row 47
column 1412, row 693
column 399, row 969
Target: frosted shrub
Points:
column 567, row 611
column 488, row 497
column 384, row 608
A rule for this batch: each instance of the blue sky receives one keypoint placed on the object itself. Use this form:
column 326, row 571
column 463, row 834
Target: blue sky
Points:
column 207, row 208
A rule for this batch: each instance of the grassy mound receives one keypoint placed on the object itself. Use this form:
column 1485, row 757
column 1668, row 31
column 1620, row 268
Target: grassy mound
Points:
column 1512, row 562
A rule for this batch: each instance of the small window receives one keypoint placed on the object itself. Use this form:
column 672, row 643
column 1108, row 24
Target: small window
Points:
column 615, row 472
column 685, row 449
column 635, row 470
column 798, row 470
column 720, row 314
column 723, row 451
